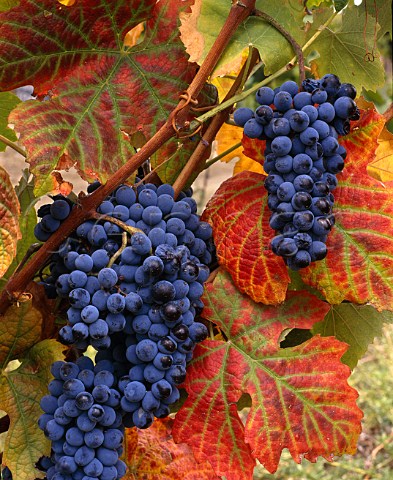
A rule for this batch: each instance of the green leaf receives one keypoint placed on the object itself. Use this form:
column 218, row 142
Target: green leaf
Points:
column 27, row 219
column 20, row 394
column 381, row 10
column 274, row 49
column 316, row 3
column 7, row 4
column 342, row 51
column 20, row 328
column 8, row 101
column 355, row 325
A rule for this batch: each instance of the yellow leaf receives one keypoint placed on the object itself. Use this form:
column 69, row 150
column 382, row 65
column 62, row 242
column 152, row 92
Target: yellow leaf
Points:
column 67, row 3
column 248, row 164
column 382, row 167
column 228, row 136
column 223, row 85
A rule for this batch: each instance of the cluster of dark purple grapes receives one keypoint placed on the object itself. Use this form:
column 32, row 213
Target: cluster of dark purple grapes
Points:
column 51, row 217
column 135, row 302
column 84, row 422
column 302, row 158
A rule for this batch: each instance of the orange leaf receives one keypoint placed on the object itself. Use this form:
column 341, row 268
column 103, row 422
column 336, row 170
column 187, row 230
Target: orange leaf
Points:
column 246, row 164
column 152, row 454
column 239, row 215
column 67, row 3
column 59, row 185
column 300, row 396
column 254, row 148
column 133, row 35
column 228, row 136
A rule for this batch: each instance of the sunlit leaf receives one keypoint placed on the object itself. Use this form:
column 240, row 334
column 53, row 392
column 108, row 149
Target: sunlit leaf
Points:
column 67, row 3
column 228, row 136
column 246, row 164
column 342, row 49
column 132, row 37
column 300, row 398
column 200, row 29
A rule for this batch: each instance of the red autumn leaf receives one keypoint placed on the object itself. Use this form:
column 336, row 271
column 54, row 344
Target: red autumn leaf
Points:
column 239, row 215
column 300, row 396
column 359, row 264
column 254, row 148
column 152, row 454
column 99, row 88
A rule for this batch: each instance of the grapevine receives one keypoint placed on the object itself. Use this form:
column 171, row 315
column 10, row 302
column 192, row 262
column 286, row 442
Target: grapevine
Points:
column 142, row 334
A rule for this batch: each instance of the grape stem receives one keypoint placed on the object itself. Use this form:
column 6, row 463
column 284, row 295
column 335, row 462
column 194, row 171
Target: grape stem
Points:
column 212, row 161
column 296, row 47
column 117, row 254
column 195, row 163
column 87, row 205
column 106, row 218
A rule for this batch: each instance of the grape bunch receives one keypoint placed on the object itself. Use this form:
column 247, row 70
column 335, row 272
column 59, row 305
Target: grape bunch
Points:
column 131, row 282
column 82, row 418
column 302, row 159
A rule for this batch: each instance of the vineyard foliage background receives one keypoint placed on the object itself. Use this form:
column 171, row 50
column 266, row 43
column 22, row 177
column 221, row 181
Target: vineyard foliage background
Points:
column 107, row 76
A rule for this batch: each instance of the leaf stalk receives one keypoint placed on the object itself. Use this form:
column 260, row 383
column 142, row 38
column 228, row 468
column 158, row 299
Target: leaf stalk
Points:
column 13, row 145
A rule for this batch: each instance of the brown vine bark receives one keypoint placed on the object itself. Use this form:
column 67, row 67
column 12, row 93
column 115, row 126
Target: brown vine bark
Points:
column 86, row 207
column 199, row 153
